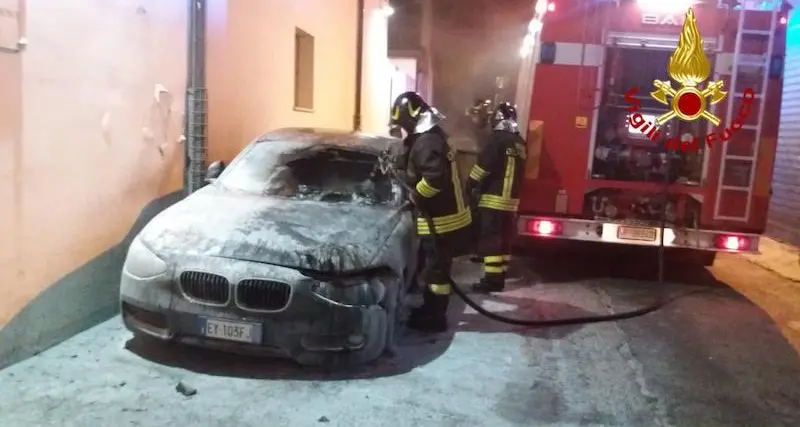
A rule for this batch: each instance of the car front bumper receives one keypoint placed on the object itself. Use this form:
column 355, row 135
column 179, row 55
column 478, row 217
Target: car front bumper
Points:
column 309, row 330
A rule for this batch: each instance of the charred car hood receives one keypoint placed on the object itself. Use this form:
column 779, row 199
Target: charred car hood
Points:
column 320, row 236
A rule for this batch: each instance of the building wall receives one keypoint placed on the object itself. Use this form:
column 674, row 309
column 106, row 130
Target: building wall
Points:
column 91, row 119
column 377, row 76
column 784, row 210
column 85, row 146
column 250, row 82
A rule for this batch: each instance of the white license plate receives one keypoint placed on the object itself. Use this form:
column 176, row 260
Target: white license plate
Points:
column 642, row 234
column 231, row 331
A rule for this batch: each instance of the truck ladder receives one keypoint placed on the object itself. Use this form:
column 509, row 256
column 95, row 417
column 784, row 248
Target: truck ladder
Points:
column 530, row 52
column 763, row 64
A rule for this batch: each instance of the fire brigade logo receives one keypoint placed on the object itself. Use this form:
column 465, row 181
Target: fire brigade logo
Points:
column 689, row 66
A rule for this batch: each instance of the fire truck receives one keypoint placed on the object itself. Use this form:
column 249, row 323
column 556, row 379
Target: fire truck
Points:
column 591, row 175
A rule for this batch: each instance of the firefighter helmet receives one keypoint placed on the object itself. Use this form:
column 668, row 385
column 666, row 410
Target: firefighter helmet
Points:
column 505, row 117
column 413, row 114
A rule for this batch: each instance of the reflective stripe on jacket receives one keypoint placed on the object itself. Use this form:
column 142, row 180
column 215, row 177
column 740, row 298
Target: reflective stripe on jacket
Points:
column 433, row 172
column 499, row 171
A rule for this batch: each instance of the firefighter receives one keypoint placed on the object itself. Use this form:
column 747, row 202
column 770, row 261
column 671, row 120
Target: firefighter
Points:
column 479, row 113
column 494, row 183
column 431, row 170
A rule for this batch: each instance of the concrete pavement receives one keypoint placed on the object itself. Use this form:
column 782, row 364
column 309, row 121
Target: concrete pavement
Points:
column 779, row 298
column 778, row 257
column 710, row 359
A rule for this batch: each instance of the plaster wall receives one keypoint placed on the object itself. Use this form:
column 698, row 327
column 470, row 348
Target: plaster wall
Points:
column 91, row 122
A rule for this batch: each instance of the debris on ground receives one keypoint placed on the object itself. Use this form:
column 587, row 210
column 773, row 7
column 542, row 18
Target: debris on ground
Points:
column 185, row 389
column 324, row 419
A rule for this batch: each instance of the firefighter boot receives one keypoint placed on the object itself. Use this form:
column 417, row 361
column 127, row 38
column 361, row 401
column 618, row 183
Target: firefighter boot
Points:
column 485, row 286
column 432, row 315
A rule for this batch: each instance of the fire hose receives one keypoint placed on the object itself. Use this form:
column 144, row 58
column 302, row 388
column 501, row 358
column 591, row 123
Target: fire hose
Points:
column 660, row 302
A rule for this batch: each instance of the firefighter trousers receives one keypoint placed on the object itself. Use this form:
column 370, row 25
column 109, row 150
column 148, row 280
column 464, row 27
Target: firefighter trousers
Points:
column 494, row 244
column 437, row 263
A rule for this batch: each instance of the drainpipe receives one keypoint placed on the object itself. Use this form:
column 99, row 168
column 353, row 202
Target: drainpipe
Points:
column 196, row 121
column 359, row 64
column 426, row 41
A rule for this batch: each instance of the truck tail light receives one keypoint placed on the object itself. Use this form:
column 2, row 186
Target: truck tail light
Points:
column 732, row 243
column 543, row 227
column 786, row 7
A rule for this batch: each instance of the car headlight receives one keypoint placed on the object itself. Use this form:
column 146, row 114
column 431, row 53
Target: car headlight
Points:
column 351, row 293
column 142, row 262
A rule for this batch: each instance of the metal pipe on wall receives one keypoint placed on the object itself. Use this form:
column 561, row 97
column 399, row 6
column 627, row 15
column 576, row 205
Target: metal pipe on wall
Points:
column 359, row 65
column 196, row 106
column 426, row 40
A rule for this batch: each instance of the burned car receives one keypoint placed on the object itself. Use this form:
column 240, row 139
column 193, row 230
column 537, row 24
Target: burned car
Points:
column 302, row 247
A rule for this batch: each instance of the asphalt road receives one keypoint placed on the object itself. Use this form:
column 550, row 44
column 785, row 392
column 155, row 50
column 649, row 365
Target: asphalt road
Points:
column 710, row 359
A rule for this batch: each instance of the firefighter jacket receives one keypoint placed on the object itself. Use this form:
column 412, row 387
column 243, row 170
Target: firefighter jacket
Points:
column 432, row 172
column 499, row 171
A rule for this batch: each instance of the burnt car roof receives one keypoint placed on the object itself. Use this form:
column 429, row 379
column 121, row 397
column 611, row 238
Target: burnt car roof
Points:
column 331, row 137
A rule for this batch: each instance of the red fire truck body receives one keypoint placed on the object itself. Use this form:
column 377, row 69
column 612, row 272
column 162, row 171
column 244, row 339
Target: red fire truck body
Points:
column 591, row 176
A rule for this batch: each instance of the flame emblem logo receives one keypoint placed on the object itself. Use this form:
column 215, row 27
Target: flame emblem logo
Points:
column 689, row 66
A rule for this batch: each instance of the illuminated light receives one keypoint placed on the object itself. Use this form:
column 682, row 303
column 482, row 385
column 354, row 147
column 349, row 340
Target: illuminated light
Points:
column 551, row 7
column 647, row 122
column 666, row 6
column 527, row 46
column 783, row 20
column 544, row 227
column 646, row 45
column 535, row 26
column 528, row 40
column 732, row 243
column 541, row 7
column 387, row 10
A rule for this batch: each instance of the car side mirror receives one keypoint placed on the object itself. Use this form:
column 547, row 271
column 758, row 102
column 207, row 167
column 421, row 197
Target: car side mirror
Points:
column 214, row 171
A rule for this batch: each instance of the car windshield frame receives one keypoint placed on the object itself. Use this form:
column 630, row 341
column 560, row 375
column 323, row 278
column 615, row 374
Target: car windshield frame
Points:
column 255, row 170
